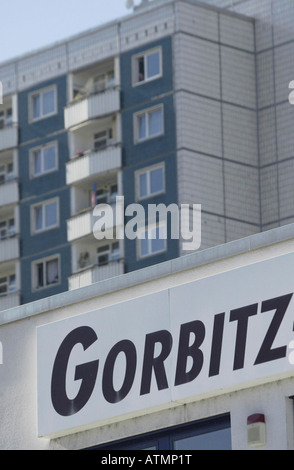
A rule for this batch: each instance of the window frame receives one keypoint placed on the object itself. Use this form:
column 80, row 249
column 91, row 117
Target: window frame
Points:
column 41, row 92
column 148, row 170
column 109, row 251
column 43, row 204
column 150, row 253
column 146, row 112
column 7, row 175
column 7, row 283
column 42, row 148
column 164, row 439
column 34, row 273
column 144, row 55
column 8, row 225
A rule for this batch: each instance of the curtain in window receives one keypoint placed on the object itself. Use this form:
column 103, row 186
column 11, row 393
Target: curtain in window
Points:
column 52, row 271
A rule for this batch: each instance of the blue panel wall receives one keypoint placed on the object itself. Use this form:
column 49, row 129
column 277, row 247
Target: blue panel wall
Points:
column 31, row 131
column 132, row 96
column 44, row 187
column 28, row 294
column 160, row 149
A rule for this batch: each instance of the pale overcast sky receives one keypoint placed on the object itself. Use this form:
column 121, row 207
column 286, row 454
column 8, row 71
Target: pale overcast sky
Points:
column 27, row 25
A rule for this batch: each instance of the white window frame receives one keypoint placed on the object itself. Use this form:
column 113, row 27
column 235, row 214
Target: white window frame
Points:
column 4, row 171
column 41, row 92
column 6, row 117
column 148, row 230
column 34, row 273
column 144, row 55
column 148, row 171
column 108, row 249
column 7, row 283
column 42, row 148
column 8, row 232
column 147, row 112
column 43, row 204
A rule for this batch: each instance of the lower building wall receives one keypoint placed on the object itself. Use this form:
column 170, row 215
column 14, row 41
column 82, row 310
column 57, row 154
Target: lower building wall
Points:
column 21, row 407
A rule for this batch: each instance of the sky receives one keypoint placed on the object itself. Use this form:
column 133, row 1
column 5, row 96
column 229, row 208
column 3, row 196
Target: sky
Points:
column 27, row 25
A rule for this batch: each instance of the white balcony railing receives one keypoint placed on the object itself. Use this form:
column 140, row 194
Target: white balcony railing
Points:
column 9, row 249
column 82, row 224
column 8, row 137
column 94, row 163
column 9, row 301
column 93, row 106
column 95, row 274
column 9, row 193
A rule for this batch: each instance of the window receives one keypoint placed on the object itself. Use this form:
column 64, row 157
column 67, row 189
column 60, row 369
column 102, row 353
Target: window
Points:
column 153, row 241
column 43, row 160
column 107, row 254
column 148, row 124
column 46, row 273
column 45, row 216
column 6, row 173
column 104, row 195
column 147, row 66
column 7, row 229
column 7, row 285
column 102, row 139
column 150, row 181
column 43, row 104
column 103, row 82
column 6, row 119
column 208, row 434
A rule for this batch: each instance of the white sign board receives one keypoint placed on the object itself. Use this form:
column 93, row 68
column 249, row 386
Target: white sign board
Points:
column 212, row 336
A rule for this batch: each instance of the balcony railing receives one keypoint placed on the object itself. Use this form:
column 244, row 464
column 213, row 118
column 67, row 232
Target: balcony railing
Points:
column 93, row 274
column 92, row 106
column 9, row 249
column 82, row 224
column 93, row 163
column 8, row 137
column 9, row 300
column 9, row 193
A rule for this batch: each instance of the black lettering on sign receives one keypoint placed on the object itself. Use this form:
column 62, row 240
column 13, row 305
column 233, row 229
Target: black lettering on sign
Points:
column 216, row 346
column 241, row 315
column 110, row 394
column 85, row 372
column 193, row 351
column 266, row 354
column 155, row 364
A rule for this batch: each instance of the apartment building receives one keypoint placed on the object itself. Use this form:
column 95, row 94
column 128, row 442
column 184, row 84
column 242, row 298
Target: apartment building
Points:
column 178, row 102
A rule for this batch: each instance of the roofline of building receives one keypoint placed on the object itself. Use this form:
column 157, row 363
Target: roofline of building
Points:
column 151, row 273
column 137, row 11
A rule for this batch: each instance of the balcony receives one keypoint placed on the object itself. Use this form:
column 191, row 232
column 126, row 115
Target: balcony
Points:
column 93, row 163
column 9, row 249
column 92, row 106
column 93, row 274
column 9, row 193
column 82, row 224
column 8, row 137
column 9, row 300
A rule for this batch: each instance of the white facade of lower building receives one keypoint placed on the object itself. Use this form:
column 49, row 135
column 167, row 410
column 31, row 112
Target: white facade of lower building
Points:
column 216, row 325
